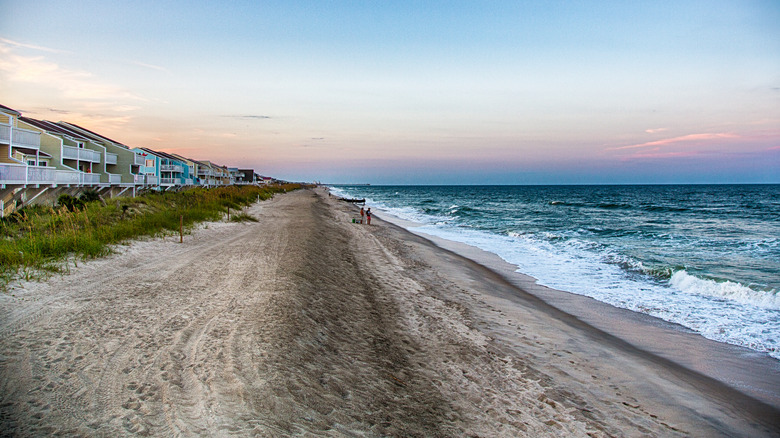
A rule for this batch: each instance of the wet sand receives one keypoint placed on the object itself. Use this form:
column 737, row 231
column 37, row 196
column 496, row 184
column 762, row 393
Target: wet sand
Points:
column 755, row 374
column 307, row 324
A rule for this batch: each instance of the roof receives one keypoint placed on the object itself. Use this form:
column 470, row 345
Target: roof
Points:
column 161, row 154
column 52, row 128
column 9, row 110
column 89, row 133
column 29, row 151
column 150, row 152
column 183, row 158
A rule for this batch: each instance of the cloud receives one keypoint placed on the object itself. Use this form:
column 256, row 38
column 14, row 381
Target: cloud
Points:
column 655, row 130
column 676, row 140
column 247, row 116
column 73, row 85
column 31, row 46
column 151, row 66
column 657, row 154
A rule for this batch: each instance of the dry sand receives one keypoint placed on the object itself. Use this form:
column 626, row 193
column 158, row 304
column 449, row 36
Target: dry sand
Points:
column 307, row 324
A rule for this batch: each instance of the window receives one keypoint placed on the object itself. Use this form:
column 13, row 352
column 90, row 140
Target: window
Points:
column 42, row 163
column 149, row 163
column 31, row 162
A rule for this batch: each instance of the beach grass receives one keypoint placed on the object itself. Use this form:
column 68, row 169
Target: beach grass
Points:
column 39, row 240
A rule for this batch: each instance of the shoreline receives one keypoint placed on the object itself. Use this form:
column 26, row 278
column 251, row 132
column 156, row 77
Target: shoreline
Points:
column 304, row 323
column 725, row 363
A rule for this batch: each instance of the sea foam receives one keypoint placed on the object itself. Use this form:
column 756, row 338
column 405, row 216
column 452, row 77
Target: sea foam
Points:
column 726, row 290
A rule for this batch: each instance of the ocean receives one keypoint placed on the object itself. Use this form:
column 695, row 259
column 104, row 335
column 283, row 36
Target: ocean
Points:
column 706, row 257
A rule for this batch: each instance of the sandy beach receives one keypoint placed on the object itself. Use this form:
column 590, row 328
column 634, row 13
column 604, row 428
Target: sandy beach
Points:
column 307, row 324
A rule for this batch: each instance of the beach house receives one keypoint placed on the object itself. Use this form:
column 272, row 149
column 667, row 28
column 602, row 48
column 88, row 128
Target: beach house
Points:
column 76, row 159
column 173, row 172
column 214, row 175
column 206, row 174
column 150, row 168
column 192, row 170
column 20, row 151
column 41, row 159
column 245, row 176
column 223, row 175
column 121, row 166
column 22, row 163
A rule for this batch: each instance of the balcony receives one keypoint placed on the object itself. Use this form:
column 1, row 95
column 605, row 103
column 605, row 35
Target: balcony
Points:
column 151, row 180
column 169, row 181
column 22, row 174
column 111, row 158
column 139, row 160
column 21, row 137
column 74, row 153
column 175, row 168
column 138, row 179
column 67, row 177
column 90, row 178
column 114, row 178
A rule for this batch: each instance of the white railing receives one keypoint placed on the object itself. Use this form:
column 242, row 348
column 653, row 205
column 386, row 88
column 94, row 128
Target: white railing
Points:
column 5, row 133
column 151, row 180
column 13, row 173
column 139, row 160
column 188, row 182
column 25, row 137
column 67, row 177
column 89, row 155
column 21, row 137
column 138, row 179
column 74, row 153
column 114, row 178
column 22, row 174
column 90, row 178
column 171, row 168
column 40, row 175
column 70, row 153
column 169, row 181
column 111, row 158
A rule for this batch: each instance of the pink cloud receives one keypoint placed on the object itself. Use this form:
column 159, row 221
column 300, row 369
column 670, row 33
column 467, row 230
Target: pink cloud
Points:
column 655, row 130
column 681, row 139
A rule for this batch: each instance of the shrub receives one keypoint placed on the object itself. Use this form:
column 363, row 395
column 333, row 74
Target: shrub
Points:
column 39, row 239
column 89, row 196
column 70, row 202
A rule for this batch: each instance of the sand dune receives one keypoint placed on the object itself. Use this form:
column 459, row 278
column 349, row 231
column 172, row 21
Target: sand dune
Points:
column 307, row 324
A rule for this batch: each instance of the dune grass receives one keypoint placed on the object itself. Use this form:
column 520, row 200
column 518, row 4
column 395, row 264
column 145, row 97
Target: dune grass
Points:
column 38, row 240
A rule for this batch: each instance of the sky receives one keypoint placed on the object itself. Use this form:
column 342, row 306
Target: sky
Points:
column 415, row 92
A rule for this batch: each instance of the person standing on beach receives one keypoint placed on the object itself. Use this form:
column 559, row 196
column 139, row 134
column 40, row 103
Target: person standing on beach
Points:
column 368, row 216
column 362, row 213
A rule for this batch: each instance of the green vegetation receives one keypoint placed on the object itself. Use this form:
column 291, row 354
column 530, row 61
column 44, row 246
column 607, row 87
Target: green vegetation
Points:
column 38, row 240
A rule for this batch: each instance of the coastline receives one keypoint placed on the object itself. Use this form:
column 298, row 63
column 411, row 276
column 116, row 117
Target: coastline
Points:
column 752, row 373
column 305, row 323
